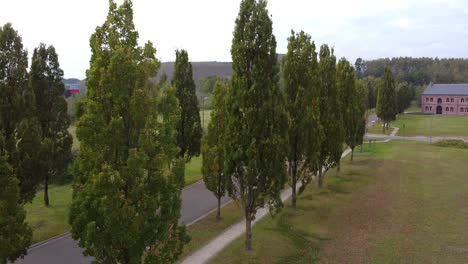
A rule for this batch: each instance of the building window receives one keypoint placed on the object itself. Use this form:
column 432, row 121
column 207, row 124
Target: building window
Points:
column 451, row 100
column 427, row 108
column 462, row 100
column 451, row 109
column 430, row 108
column 446, row 109
column 431, row 99
column 466, row 109
column 427, row 99
column 447, row 100
column 461, row 109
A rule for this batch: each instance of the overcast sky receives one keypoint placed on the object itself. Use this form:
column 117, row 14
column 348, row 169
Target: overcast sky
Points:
column 357, row 28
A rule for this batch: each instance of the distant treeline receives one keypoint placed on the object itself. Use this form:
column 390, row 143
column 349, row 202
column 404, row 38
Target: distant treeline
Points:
column 417, row 71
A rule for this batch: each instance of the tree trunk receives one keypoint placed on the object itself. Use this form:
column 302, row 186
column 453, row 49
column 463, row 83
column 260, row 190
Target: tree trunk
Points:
column 338, row 166
column 352, row 153
column 46, row 191
column 218, row 213
column 320, row 179
column 248, row 232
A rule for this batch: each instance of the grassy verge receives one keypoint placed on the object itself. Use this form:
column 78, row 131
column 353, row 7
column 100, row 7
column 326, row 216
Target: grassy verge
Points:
column 208, row 228
column 51, row 221
column 401, row 202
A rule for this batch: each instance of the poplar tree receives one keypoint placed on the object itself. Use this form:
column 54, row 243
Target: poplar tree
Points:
column 213, row 146
column 330, row 113
column 300, row 68
column 17, row 113
column 127, row 186
column 386, row 99
column 46, row 80
column 255, row 149
column 189, row 130
column 353, row 102
column 15, row 234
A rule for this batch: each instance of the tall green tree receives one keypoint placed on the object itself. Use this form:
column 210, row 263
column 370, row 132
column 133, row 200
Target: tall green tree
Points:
column 213, row 147
column 189, row 130
column 127, row 182
column 46, row 81
column 371, row 85
column 331, row 146
column 15, row 234
column 386, row 99
column 300, row 68
column 404, row 94
column 255, row 150
column 17, row 113
column 353, row 104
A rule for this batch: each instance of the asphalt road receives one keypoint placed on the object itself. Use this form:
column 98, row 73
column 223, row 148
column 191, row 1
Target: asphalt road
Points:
column 197, row 201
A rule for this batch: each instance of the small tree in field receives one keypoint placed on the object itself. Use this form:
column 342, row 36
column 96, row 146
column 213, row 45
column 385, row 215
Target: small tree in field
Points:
column 213, row 146
column 301, row 92
column 255, row 148
column 386, row 99
column 46, row 82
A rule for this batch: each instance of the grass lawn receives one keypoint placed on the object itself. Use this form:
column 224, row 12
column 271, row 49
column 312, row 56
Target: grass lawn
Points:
column 52, row 221
column 400, row 202
column 420, row 125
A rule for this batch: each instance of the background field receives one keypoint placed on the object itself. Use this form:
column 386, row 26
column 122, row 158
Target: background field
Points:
column 420, row 125
column 400, row 202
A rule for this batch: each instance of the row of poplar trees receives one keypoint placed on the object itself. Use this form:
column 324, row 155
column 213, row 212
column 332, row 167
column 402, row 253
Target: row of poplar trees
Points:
column 262, row 135
column 35, row 146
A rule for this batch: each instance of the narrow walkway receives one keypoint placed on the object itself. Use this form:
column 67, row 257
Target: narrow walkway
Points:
column 233, row 232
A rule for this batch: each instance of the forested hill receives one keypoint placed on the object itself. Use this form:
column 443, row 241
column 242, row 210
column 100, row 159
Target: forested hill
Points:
column 201, row 70
column 419, row 71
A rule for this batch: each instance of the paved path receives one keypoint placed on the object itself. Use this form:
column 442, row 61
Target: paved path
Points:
column 197, row 202
column 233, row 232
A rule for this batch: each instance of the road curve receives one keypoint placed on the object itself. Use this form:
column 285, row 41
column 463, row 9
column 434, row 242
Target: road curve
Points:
column 197, row 201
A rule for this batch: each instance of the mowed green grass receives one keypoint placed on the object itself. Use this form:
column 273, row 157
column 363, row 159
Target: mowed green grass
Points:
column 47, row 222
column 400, row 202
column 425, row 125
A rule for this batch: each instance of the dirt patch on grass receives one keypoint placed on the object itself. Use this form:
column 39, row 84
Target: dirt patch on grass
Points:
column 354, row 225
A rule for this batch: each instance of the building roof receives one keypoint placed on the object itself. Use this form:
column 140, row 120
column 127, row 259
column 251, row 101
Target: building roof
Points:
column 446, row 89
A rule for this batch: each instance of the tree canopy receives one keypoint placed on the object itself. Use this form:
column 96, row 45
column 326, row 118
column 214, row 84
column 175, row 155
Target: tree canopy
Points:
column 300, row 69
column 189, row 130
column 257, row 125
column 386, row 99
column 127, row 181
column 213, row 146
column 51, row 108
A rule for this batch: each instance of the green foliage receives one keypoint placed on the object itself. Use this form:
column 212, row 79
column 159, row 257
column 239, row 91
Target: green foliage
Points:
column 330, row 111
column 15, row 232
column 256, row 127
column 405, row 94
column 127, row 180
column 452, row 143
column 213, row 145
column 51, row 107
column 189, row 131
column 300, row 68
column 386, row 99
column 353, row 98
column 17, row 113
column 207, row 84
column 371, row 86
column 420, row 71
